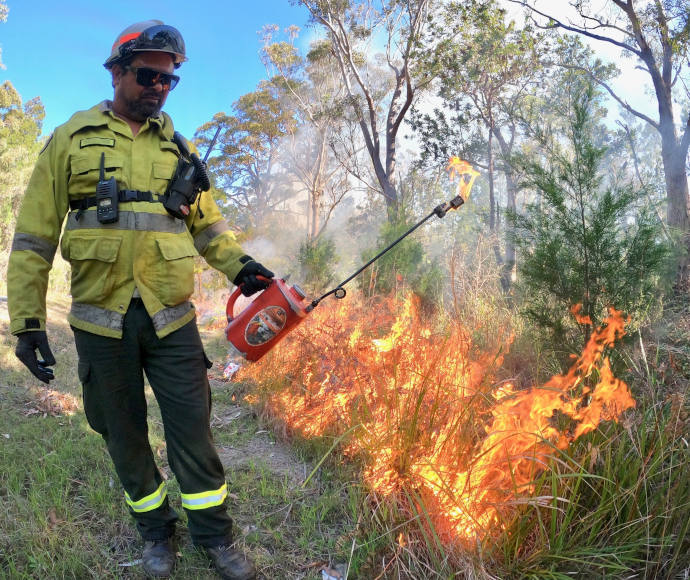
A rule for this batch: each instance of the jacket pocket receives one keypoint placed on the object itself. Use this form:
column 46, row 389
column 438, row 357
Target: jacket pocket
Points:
column 92, row 260
column 85, row 171
column 175, row 282
column 161, row 174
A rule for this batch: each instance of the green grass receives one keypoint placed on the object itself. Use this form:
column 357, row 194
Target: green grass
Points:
column 622, row 507
column 62, row 512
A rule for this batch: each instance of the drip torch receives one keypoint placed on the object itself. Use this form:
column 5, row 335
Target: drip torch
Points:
column 279, row 308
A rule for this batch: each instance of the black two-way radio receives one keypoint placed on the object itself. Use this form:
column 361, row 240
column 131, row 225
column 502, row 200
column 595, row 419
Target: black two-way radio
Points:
column 106, row 197
column 190, row 179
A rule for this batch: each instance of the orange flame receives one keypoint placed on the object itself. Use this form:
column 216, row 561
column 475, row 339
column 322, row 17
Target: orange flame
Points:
column 576, row 311
column 465, row 173
column 427, row 416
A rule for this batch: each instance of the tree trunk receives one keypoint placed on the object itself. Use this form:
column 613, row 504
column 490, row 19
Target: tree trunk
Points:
column 509, row 265
column 492, row 198
column 674, row 156
column 493, row 209
column 313, row 218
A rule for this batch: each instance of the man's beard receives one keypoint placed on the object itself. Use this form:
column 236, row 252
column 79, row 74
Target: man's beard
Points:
column 140, row 110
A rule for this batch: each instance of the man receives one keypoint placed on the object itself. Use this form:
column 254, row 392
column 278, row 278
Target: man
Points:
column 131, row 247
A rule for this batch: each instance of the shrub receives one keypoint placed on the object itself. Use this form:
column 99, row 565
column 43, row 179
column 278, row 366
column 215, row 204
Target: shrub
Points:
column 317, row 259
column 587, row 239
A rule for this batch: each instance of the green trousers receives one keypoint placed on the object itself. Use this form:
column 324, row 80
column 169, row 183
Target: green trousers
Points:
column 112, row 375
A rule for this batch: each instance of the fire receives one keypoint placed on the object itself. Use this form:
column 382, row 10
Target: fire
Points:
column 576, row 310
column 464, row 172
column 421, row 406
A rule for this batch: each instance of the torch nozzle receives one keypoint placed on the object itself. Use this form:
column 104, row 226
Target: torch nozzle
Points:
column 442, row 209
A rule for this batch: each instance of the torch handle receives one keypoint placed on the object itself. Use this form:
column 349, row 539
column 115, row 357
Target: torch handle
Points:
column 229, row 309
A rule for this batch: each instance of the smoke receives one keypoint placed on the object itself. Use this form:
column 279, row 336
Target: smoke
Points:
column 266, row 251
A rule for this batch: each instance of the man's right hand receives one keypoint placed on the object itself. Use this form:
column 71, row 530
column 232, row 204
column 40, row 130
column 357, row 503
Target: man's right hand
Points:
column 247, row 279
column 26, row 352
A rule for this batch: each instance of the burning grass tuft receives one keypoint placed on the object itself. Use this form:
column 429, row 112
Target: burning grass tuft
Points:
column 457, row 454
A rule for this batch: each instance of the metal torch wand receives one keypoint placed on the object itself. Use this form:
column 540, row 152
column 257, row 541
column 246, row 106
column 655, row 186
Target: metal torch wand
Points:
column 440, row 210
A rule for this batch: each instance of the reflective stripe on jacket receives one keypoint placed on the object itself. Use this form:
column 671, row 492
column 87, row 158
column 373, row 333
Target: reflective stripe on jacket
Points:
column 146, row 248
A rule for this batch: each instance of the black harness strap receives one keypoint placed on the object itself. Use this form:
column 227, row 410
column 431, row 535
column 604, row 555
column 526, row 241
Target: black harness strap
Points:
column 123, row 196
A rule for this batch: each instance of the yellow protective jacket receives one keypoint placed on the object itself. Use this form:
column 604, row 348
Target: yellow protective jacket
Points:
column 146, row 248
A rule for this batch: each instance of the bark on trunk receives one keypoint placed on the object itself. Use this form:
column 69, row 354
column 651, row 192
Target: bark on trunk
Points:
column 492, row 198
column 509, row 265
column 678, row 213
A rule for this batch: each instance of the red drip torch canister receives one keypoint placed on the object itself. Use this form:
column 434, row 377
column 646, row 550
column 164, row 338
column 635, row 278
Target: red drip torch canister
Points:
column 266, row 320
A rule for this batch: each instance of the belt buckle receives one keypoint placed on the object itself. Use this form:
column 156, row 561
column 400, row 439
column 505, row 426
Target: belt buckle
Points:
column 131, row 195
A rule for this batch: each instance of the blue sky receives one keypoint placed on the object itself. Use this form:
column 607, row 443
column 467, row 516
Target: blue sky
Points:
column 55, row 49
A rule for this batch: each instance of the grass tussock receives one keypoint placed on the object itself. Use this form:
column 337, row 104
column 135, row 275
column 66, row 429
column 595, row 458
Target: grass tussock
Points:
column 411, row 416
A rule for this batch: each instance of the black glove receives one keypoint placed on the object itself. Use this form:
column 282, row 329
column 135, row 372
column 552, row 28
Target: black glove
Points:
column 26, row 352
column 247, row 279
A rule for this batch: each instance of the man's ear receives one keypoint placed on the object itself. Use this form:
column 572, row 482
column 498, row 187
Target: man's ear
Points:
column 116, row 71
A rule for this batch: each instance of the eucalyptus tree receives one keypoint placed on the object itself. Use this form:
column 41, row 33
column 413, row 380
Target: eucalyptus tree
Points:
column 378, row 47
column 247, row 160
column 487, row 72
column 657, row 34
column 312, row 86
column 20, row 130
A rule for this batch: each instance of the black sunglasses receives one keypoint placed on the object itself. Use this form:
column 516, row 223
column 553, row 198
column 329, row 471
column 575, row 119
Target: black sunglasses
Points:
column 147, row 77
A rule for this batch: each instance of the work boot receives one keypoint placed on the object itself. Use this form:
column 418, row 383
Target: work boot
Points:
column 231, row 564
column 158, row 558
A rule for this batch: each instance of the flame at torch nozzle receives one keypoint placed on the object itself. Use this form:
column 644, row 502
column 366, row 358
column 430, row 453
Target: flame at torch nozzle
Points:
column 465, row 173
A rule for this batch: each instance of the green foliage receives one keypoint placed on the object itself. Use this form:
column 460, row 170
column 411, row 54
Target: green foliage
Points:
column 317, row 260
column 405, row 264
column 587, row 239
column 249, row 145
column 20, row 128
column 486, row 71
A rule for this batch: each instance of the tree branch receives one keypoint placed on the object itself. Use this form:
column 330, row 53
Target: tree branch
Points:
column 611, row 92
column 577, row 29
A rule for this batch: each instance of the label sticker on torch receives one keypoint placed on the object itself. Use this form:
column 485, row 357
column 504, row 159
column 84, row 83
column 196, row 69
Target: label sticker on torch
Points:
column 265, row 325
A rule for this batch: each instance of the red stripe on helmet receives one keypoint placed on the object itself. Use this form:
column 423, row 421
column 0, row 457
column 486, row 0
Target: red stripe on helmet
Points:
column 126, row 38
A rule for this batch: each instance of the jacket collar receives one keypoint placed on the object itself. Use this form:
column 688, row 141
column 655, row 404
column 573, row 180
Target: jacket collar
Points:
column 162, row 121
column 102, row 115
